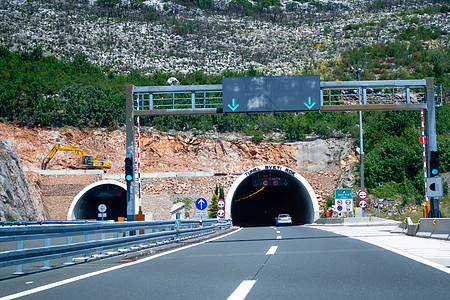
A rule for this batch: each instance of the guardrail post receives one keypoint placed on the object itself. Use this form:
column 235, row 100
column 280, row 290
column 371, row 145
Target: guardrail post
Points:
column 116, row 235
column 177, row 228
column 87, row 238
column 19, row 268
column 127, row 233
column 102, row 237
column 47, row 243
column 69, row 260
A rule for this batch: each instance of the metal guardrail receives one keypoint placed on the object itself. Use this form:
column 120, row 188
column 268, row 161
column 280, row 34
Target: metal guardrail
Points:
column 78, row 237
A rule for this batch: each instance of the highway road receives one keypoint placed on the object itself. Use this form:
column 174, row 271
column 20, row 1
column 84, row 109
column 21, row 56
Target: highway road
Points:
column 292, row 262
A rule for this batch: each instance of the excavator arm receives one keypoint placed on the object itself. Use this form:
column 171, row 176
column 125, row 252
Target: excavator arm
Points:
column 87, row 161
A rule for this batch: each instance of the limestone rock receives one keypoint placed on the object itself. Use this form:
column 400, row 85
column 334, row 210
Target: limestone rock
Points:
column 20, row 201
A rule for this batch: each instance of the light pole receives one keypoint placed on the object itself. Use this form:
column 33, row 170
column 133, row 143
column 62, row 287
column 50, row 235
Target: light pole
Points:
column 358, row 72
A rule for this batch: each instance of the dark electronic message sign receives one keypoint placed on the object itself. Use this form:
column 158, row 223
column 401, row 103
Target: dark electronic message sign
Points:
column 271, row 94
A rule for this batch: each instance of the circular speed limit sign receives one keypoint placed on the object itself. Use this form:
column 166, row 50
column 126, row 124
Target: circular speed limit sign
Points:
column 363, row 203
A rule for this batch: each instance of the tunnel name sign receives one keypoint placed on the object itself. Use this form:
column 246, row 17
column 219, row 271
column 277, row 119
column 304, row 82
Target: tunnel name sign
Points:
column 271, row 94
column 271, row 167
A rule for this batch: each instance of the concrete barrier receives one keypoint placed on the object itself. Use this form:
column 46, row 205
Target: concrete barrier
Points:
column 426, row 227
column 411, row 228
column 330, row 221
column 366, row 221
column 402, row 227
column 438, row 228
column 441, row 229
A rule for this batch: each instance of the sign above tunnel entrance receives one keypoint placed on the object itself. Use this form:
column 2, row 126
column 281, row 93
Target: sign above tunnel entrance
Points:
column 270, row 167
column 271, row 94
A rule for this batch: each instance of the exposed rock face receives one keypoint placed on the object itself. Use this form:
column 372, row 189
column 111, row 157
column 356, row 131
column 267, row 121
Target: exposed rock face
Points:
column 20, row 201
column 322, row 154
column 321, row 162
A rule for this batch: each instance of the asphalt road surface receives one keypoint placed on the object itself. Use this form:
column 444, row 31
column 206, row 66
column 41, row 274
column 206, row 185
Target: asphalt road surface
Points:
column 292, row 262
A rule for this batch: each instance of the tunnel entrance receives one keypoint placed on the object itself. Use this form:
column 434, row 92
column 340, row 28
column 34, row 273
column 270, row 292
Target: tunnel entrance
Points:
column 260, row 194
column 110, row 193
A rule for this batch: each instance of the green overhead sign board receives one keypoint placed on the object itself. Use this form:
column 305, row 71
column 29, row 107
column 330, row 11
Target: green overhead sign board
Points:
column 343, row 194
column 271, row 94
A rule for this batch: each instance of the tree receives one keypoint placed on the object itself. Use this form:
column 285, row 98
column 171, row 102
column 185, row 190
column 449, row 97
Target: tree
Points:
column 221, row 193
column 212, row 207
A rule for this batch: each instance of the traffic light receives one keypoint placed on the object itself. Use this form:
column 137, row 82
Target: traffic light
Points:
column 434, row 163
column 129, row 169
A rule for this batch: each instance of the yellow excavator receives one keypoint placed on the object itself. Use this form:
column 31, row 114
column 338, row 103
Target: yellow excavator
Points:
column 87, row 161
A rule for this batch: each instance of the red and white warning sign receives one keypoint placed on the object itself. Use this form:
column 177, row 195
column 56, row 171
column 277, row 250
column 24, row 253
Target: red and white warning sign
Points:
column 363, row 203
column 362, row 194
column 221, row 213
column 220, row 203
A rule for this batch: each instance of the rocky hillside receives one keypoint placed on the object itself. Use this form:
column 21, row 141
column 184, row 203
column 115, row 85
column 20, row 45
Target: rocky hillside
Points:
column 324, row 163
column 19, row 198
column 174, row 152
column 277, row 37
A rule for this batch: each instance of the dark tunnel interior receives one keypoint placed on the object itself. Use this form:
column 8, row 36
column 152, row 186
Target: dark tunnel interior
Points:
column 260, row 197
column 113, row 196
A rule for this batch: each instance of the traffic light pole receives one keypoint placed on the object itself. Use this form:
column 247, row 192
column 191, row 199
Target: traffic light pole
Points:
column 431, row 139
column 131, row 187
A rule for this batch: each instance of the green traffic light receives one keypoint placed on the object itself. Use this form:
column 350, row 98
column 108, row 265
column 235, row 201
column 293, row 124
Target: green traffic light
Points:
column 129, row 177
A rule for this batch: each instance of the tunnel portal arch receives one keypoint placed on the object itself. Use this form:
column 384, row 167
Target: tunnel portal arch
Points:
column 260, row 194
column 109, row 192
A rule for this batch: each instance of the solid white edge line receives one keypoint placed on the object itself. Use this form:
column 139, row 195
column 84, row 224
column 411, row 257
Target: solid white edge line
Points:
column 408, row 255
column 84, row 276
column 400, row 252
column 242, row 290
column 272, row 250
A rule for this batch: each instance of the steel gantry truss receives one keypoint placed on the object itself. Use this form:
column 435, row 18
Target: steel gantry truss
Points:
column 336, row 96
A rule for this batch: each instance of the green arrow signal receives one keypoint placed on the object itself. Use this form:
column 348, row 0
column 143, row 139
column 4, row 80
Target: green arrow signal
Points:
column 233, row 107
column 309, row 105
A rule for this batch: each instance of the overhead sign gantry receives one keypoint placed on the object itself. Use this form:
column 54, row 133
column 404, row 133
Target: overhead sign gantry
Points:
column 282, row 94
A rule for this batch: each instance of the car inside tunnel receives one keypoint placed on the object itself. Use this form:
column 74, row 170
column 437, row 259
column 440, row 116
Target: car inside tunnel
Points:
column 260, row 196
column 111, row 195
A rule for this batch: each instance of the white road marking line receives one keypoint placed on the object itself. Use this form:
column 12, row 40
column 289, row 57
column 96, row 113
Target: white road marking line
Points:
column 242, row 290
column 279, row 237
column 272, row 250
column 84, row 276
column 278, row 231
column 408, row 255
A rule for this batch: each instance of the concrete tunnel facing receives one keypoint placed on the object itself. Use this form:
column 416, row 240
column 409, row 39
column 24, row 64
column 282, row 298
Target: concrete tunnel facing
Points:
column 108, row 192
column 260, row 194
column 255, row 198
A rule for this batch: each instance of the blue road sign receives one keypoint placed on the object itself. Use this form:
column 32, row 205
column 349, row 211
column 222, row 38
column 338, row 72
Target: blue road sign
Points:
column 271, row 93
column 339, row 208
column 201, row 203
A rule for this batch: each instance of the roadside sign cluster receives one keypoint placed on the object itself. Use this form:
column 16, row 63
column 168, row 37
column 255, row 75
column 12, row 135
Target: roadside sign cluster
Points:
column 344, row 200
column 221, row 210
column 362, row 195
column 201, row 205
column 102, row 211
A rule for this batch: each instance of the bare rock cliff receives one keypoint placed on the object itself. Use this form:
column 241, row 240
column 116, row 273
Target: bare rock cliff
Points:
column 20, row 201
